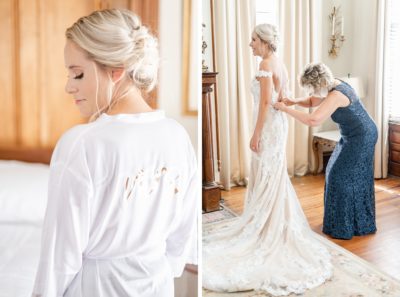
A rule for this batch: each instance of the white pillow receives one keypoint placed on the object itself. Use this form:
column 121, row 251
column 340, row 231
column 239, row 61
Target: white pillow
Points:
column 23, row 191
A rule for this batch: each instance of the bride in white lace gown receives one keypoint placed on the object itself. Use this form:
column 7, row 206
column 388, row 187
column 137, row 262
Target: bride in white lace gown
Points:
column 270, row 247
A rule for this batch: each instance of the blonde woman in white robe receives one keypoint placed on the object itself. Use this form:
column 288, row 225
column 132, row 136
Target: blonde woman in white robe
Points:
column 121, row 213
column 270, row 247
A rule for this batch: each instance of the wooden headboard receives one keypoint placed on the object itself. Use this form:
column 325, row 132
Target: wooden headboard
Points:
column 33, row 155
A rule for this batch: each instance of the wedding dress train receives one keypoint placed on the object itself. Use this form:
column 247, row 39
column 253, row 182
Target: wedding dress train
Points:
column 270, row 247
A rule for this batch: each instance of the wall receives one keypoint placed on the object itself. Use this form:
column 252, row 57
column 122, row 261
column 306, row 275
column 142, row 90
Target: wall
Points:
column 170, row 87
column 170, row 97
column 357, row 55
column 34, row 108
column 365, row 42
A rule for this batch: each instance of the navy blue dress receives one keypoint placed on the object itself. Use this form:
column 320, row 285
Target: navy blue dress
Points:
column 349, row 179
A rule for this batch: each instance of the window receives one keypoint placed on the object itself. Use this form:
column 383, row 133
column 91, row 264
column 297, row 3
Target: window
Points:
column 266, row 12
column 392, row 61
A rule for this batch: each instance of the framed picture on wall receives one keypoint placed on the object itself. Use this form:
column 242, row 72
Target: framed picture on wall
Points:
column 191, row 65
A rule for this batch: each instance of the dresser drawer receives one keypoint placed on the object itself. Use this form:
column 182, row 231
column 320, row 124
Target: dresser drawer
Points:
column 394, row 156
column 394, row 136
column 394, row 168
column 394, row 146
column 394, row 149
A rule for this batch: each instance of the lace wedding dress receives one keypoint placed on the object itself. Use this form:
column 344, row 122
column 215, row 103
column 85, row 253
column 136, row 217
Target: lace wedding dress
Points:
column 270, row 247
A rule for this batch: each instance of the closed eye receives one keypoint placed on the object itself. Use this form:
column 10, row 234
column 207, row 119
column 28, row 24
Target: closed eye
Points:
column 80, row 76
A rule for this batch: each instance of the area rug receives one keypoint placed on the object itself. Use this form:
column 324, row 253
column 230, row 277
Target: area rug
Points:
column 352, row 277
column 217, row 216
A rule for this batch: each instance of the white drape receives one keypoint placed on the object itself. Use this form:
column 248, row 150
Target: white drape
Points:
column 299, row 46
column 381, row 115
column 234, row 22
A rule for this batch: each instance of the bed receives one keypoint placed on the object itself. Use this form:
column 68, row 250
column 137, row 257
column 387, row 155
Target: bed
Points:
column 23, row 197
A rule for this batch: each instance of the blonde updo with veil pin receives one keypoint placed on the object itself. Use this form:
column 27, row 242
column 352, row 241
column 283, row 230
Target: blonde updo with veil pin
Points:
column 269, row 34
column 116, row 38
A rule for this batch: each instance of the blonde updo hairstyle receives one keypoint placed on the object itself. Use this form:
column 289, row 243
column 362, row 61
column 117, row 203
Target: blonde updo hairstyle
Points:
column 268, row 34
column 116, row 38
column 317, row 76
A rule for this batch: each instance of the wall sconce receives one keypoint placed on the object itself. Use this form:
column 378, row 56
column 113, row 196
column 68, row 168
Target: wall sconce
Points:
column 337, row 38
column 204, row 67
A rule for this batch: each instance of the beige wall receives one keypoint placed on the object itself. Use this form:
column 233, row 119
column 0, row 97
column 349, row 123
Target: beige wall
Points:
column 170, row 96
column 34, row 109
column 357, row 56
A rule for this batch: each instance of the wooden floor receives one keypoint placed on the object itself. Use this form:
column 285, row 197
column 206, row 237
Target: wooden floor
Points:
column 382, row 249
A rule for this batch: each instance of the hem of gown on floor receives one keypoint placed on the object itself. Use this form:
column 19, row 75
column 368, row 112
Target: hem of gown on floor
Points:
column 348, row 237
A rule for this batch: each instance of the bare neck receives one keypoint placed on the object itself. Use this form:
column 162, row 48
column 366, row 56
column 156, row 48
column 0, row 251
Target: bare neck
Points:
column 131, row 102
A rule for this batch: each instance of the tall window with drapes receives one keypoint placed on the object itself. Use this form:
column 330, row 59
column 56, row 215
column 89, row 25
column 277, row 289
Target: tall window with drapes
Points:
column 392, row 61
column 266, row 12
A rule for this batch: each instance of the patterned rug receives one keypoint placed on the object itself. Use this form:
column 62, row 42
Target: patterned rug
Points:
column 217, row 216
column 353, row 276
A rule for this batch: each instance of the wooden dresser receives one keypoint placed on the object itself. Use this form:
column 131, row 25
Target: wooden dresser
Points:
column 211, row 191
column 394, row 149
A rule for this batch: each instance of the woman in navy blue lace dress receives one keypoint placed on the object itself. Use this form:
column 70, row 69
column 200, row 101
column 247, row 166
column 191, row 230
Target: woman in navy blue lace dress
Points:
column 349, row 179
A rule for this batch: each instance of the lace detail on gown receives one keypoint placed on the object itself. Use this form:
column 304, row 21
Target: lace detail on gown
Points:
column 263, row 73
column 270, row 247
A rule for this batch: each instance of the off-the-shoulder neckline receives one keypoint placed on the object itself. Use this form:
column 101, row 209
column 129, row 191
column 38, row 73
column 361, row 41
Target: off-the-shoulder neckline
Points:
column 263, row 72
column 268, row 74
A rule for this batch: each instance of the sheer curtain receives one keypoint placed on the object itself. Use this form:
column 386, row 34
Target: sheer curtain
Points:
column 383, row 87
column 234, row 22
column 299, row 46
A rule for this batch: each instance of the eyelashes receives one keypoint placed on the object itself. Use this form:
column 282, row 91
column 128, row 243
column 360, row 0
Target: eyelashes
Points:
column 80, row 76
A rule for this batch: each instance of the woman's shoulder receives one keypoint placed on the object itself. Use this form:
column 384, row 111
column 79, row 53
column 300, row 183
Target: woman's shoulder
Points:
column 87, row 137
column 346, row 89
column 264, row 69
column 75, row 134
column 175, row 129
column 269, row 66
column 341, row 85
column 173, row 124
column 70, row 142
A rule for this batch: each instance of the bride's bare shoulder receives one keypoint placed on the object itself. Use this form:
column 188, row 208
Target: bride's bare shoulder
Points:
column 264, row 70
column 266, row 65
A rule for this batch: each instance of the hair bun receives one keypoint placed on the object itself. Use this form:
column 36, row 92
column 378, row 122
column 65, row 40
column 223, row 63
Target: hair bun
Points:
column 117, row 38
column 316, row 75
column 269, row 34
column 142, row 66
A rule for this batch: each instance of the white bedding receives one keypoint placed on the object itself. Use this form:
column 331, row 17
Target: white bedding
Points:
column 19, row 256
column 23, row 198
column 23, row 191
